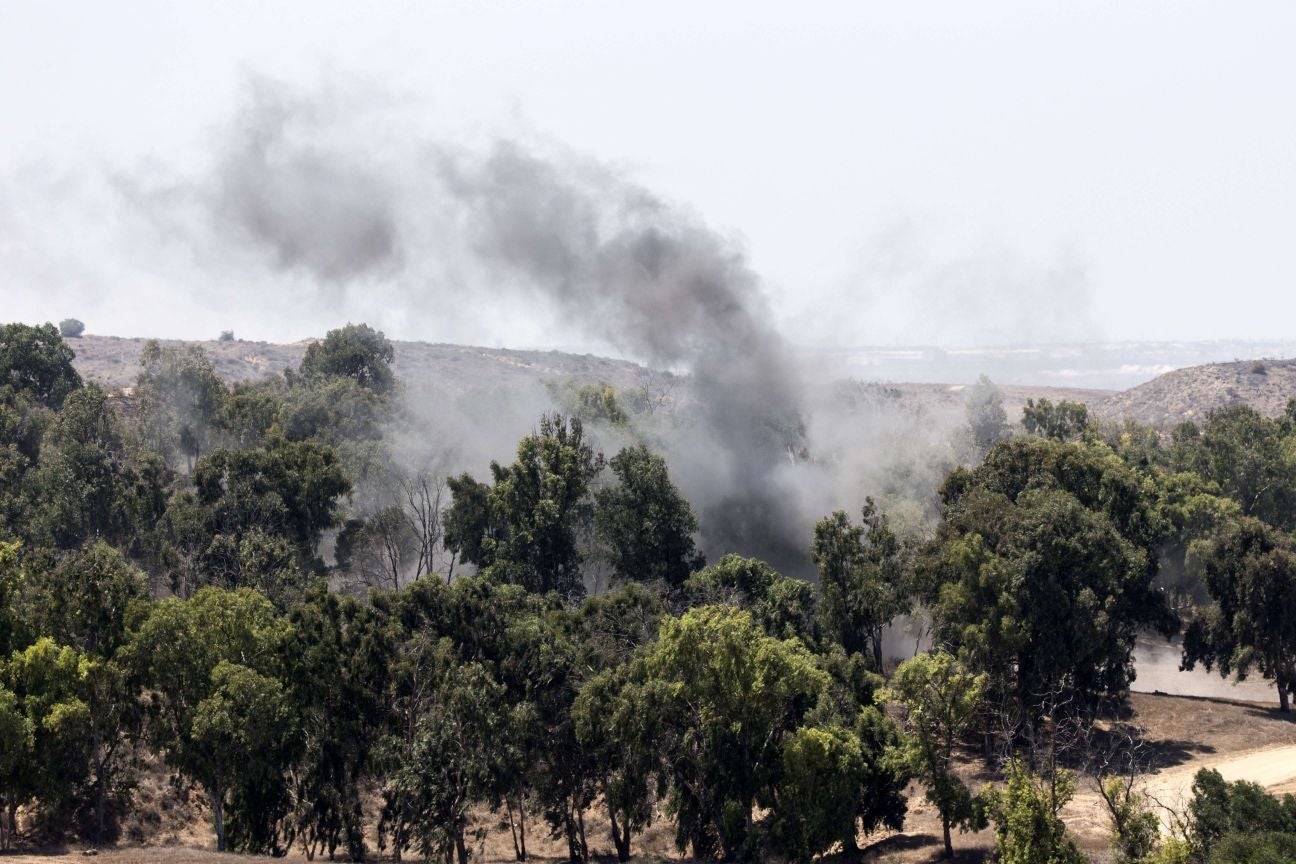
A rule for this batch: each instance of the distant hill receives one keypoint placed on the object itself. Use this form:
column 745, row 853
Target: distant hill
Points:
column 1192, row 393
column 113, row 362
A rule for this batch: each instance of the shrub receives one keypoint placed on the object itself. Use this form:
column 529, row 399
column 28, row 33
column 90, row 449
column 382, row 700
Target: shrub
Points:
column 1024, row 813
column 71, row 328
column 1264, row 847
column 226, row 336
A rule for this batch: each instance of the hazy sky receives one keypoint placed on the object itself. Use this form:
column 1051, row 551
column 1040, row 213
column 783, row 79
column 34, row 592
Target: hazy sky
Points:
column 896, row 172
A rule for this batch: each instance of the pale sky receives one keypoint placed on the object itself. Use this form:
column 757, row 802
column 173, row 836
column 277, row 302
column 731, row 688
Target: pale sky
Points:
column 897, row 173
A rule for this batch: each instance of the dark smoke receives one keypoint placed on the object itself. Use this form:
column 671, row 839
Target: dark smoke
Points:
column 664, row 289
column 283, row 188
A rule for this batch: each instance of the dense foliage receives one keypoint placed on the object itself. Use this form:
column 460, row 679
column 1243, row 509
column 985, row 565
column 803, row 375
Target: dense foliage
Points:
column 250, row 586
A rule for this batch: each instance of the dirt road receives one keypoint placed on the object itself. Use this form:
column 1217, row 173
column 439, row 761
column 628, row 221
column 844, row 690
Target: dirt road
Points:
column 1271, row 767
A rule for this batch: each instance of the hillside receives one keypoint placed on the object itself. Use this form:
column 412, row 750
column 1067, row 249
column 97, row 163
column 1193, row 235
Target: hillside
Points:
column 113, row 362
column 1193, row 392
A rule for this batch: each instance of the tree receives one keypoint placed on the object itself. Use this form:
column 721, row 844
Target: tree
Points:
column 525, row 527
column 89, row 482
column 180, row 399
column 1236, row 816
column 355, row 351
column 345, row 642
column 452, row 753
column 290, row 489
column 76, row 706
column 1250, row 457
column 646, row 522
column 35, row 360
column 83, row 601
column 216, row 709
column 237, row 742
column 1025, row 815
column 783, row 606
column 987, row 419
column 941, row 699
column 15, row 761
column 730, row 697
column 616, row 720
column 1062, row 422
column 71, row 328
column 1250, row 570
column 10, row 583
column 861, row 579
column 822, row 773
column 1041, row 572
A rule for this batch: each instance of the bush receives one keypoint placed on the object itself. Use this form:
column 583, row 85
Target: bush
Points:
column 226, row 336
column 1265, row 847
column 1024, row 813
column 1258, row 368
column 71, row 328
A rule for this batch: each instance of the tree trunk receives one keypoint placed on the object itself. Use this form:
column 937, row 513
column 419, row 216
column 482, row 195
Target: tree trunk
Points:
column 1284, row 703
column 620, row 839
column 877, row 651
column 517, row 827
column 949, row 846
column 218, row 816
column 460, row 847
column 100, row 792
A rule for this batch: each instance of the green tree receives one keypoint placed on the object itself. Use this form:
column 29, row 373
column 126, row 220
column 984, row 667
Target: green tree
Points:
column 89, row 482
column 822, row 773
column 615, row 713
column 1250, row 571
column 525, row 528
column 15, row 763
column 986, row 417
column 862, row 579
column 71, row 328
column 1063, row 422
column 783, row 606
column 290, row 489
column 941, row 699
column 617, row 720
column 10, row 584
column 226, row 730
column 1041, row 572
column 454, row 742
column 83, row 601
column 237, row 742
column 180, row 399
column 1219, row 811
column 1251, row 457
column 36, row 361
column 1135, row 827
column 355, row 351
column 646, row 522
column 731, row 696
column 342, row 641
column 48, row 681
column 1024, row 813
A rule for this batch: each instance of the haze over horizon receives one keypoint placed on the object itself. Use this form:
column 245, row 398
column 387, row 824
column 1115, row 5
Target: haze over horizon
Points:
column 934, row 175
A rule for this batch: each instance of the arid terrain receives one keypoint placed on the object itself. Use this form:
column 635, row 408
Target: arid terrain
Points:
column 1183, row 394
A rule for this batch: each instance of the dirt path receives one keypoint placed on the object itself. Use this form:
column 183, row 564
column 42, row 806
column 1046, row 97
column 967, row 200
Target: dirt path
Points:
column 1274, row 768
column 1270, row 767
